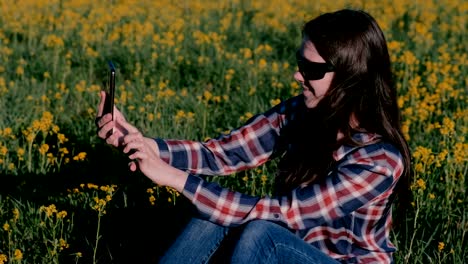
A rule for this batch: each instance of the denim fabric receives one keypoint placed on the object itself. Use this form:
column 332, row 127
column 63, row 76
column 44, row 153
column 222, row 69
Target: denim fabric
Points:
column 259, row 242
column 196, row 244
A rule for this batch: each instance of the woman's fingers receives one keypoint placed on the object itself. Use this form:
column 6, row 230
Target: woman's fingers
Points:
column 133, row 137
column 138, row 155
column 114, row 139
column 104, row 129
column 136, row 145
column 102, row 120
column 133, row 166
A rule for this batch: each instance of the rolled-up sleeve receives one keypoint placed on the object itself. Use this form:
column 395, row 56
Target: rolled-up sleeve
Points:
column 243, row 148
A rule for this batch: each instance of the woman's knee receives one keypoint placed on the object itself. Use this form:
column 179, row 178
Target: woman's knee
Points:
column 257, row 232
column 201, row 229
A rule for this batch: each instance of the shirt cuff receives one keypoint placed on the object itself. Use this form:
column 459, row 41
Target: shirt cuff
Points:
column 164, row 152
column 191, row 186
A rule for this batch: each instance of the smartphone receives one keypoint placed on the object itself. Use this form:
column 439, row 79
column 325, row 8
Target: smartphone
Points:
column 110, row 91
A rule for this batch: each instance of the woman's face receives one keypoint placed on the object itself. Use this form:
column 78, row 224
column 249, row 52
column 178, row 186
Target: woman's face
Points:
column 313, row 90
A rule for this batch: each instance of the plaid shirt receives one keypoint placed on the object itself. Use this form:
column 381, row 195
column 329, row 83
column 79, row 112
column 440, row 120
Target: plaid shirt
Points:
column 348, row 216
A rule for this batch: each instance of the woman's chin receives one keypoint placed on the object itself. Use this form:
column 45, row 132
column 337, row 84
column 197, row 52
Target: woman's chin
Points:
column 310, row 102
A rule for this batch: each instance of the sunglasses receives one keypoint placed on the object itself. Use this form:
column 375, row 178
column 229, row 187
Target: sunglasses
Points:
column 312, row 70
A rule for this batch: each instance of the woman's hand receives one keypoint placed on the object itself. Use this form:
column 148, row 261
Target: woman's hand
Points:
column 110, row 130
column 113, row 131
column 146, row 159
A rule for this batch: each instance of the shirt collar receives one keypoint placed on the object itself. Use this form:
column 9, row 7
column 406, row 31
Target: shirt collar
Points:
column 361, row 138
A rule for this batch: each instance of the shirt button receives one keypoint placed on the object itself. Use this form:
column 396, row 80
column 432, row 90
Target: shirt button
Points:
column 276, row 216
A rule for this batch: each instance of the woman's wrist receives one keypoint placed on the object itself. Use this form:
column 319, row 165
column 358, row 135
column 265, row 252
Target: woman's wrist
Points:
column 179, row 179
column 153, row 144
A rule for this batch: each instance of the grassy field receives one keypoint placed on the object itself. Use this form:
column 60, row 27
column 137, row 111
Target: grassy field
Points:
column 192, row 70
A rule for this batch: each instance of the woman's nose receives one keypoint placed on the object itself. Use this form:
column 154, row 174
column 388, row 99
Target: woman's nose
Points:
column 298, row 76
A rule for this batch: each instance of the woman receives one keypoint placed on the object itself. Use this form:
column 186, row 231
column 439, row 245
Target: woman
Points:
column 342, row 159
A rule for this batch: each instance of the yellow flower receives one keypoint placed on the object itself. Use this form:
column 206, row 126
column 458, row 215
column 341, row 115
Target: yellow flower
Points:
column 448, row 126
column 7, row 131
column 246, row 117
column 92, row 186
column 18, row 254
column 6, row 227
column 148, row 98
column 63, row 244
column 420, row 183
column 262, row 63
column 62, row 214
column 3, row 150
column 43, row 149
column 80, row 156
column 20, row 70
column 16, row 214
column 61, row 138
column 52, row 41
column 460, row 153
column 3, row 258
column 49, row 210
column 441, row 246
column 274, row 102
column 152, row 199
column 252, row 91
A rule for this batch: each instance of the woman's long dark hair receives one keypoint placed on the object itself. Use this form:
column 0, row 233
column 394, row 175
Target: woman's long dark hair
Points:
column 354, row 44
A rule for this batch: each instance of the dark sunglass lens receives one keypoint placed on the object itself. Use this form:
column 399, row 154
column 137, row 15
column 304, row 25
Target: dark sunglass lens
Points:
column 310, row 70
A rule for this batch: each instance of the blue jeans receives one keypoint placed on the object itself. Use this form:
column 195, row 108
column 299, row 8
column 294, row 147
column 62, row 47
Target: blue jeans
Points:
column 257, row 242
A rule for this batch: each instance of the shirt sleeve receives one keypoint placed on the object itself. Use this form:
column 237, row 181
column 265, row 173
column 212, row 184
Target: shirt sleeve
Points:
column 363, row 176
column 246, row 147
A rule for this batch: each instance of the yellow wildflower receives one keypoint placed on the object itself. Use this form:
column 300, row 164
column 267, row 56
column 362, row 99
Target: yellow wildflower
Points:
column 63, row 244
column 263, row 178
column 43, row 149
column 20, row 70
column 420, row 183
column 16, row 214
column 262, row 64
column 80, row 156
column 441, row 246
column 3, row 258
column 49, row 210
column 7, row 131
column 62, row 214
column 3, row 150
column 274, row 102
column 18, row 254
column 152, row 199
column 92, row 186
